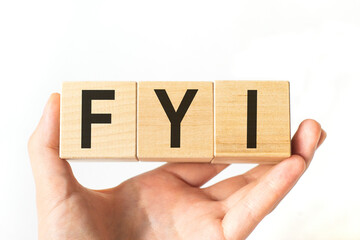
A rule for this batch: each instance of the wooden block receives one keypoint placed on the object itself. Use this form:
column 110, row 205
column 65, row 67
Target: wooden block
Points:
column 98, row 120
column 252, row 121
column 188, row 137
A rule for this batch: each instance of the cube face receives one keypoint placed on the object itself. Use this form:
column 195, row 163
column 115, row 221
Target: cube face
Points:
column 98, row 120
column 252, row 121
column 191, row 104
column 174, row 121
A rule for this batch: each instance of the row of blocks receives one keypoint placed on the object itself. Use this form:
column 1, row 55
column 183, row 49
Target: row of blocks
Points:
column 221, row 122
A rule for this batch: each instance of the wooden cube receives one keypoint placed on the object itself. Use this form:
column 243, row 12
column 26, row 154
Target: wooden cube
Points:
column 98, row 120
column 175, row 121
column 252, row 121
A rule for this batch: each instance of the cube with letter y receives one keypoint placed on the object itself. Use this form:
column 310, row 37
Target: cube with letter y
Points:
column 98, row 120
column 252, row 121
column 175, row 121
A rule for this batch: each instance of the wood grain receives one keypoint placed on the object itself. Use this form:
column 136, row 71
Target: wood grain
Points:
column 153, row 127
column 273, row 122
column 141, row 128
column 115, row 141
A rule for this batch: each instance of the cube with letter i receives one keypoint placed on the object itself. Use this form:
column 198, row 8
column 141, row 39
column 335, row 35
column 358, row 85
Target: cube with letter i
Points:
column 252, row 121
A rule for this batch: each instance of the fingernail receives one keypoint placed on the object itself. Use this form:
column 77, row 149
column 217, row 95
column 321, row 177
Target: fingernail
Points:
column 50, row 99
column 322, row 137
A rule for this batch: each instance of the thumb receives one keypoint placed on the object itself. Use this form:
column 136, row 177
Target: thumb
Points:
column 53, row 176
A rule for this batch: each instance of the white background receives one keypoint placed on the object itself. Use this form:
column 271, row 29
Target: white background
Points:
column 312, row 43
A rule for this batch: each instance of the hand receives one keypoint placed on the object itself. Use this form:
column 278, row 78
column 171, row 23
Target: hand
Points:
column 166, row 203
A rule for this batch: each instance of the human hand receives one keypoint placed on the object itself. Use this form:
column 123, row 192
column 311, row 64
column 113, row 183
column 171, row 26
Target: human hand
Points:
column 165, row 203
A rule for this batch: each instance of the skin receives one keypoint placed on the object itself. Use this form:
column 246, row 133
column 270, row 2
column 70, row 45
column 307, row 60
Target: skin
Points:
column 165, row 203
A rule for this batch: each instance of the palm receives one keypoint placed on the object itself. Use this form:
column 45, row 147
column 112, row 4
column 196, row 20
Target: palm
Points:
column 171, row 208
column 166, row 203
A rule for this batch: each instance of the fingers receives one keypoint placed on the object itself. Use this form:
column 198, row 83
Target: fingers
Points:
column 321, row 140
column 224, row 189
column 247, row 207
column 306, row 139
column 243, row 217
column 49, row 170
column 194, row 174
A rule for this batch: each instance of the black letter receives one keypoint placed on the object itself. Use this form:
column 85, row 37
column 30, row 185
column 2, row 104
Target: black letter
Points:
column 175, row 117
column 251, row 118
column 87, row 118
